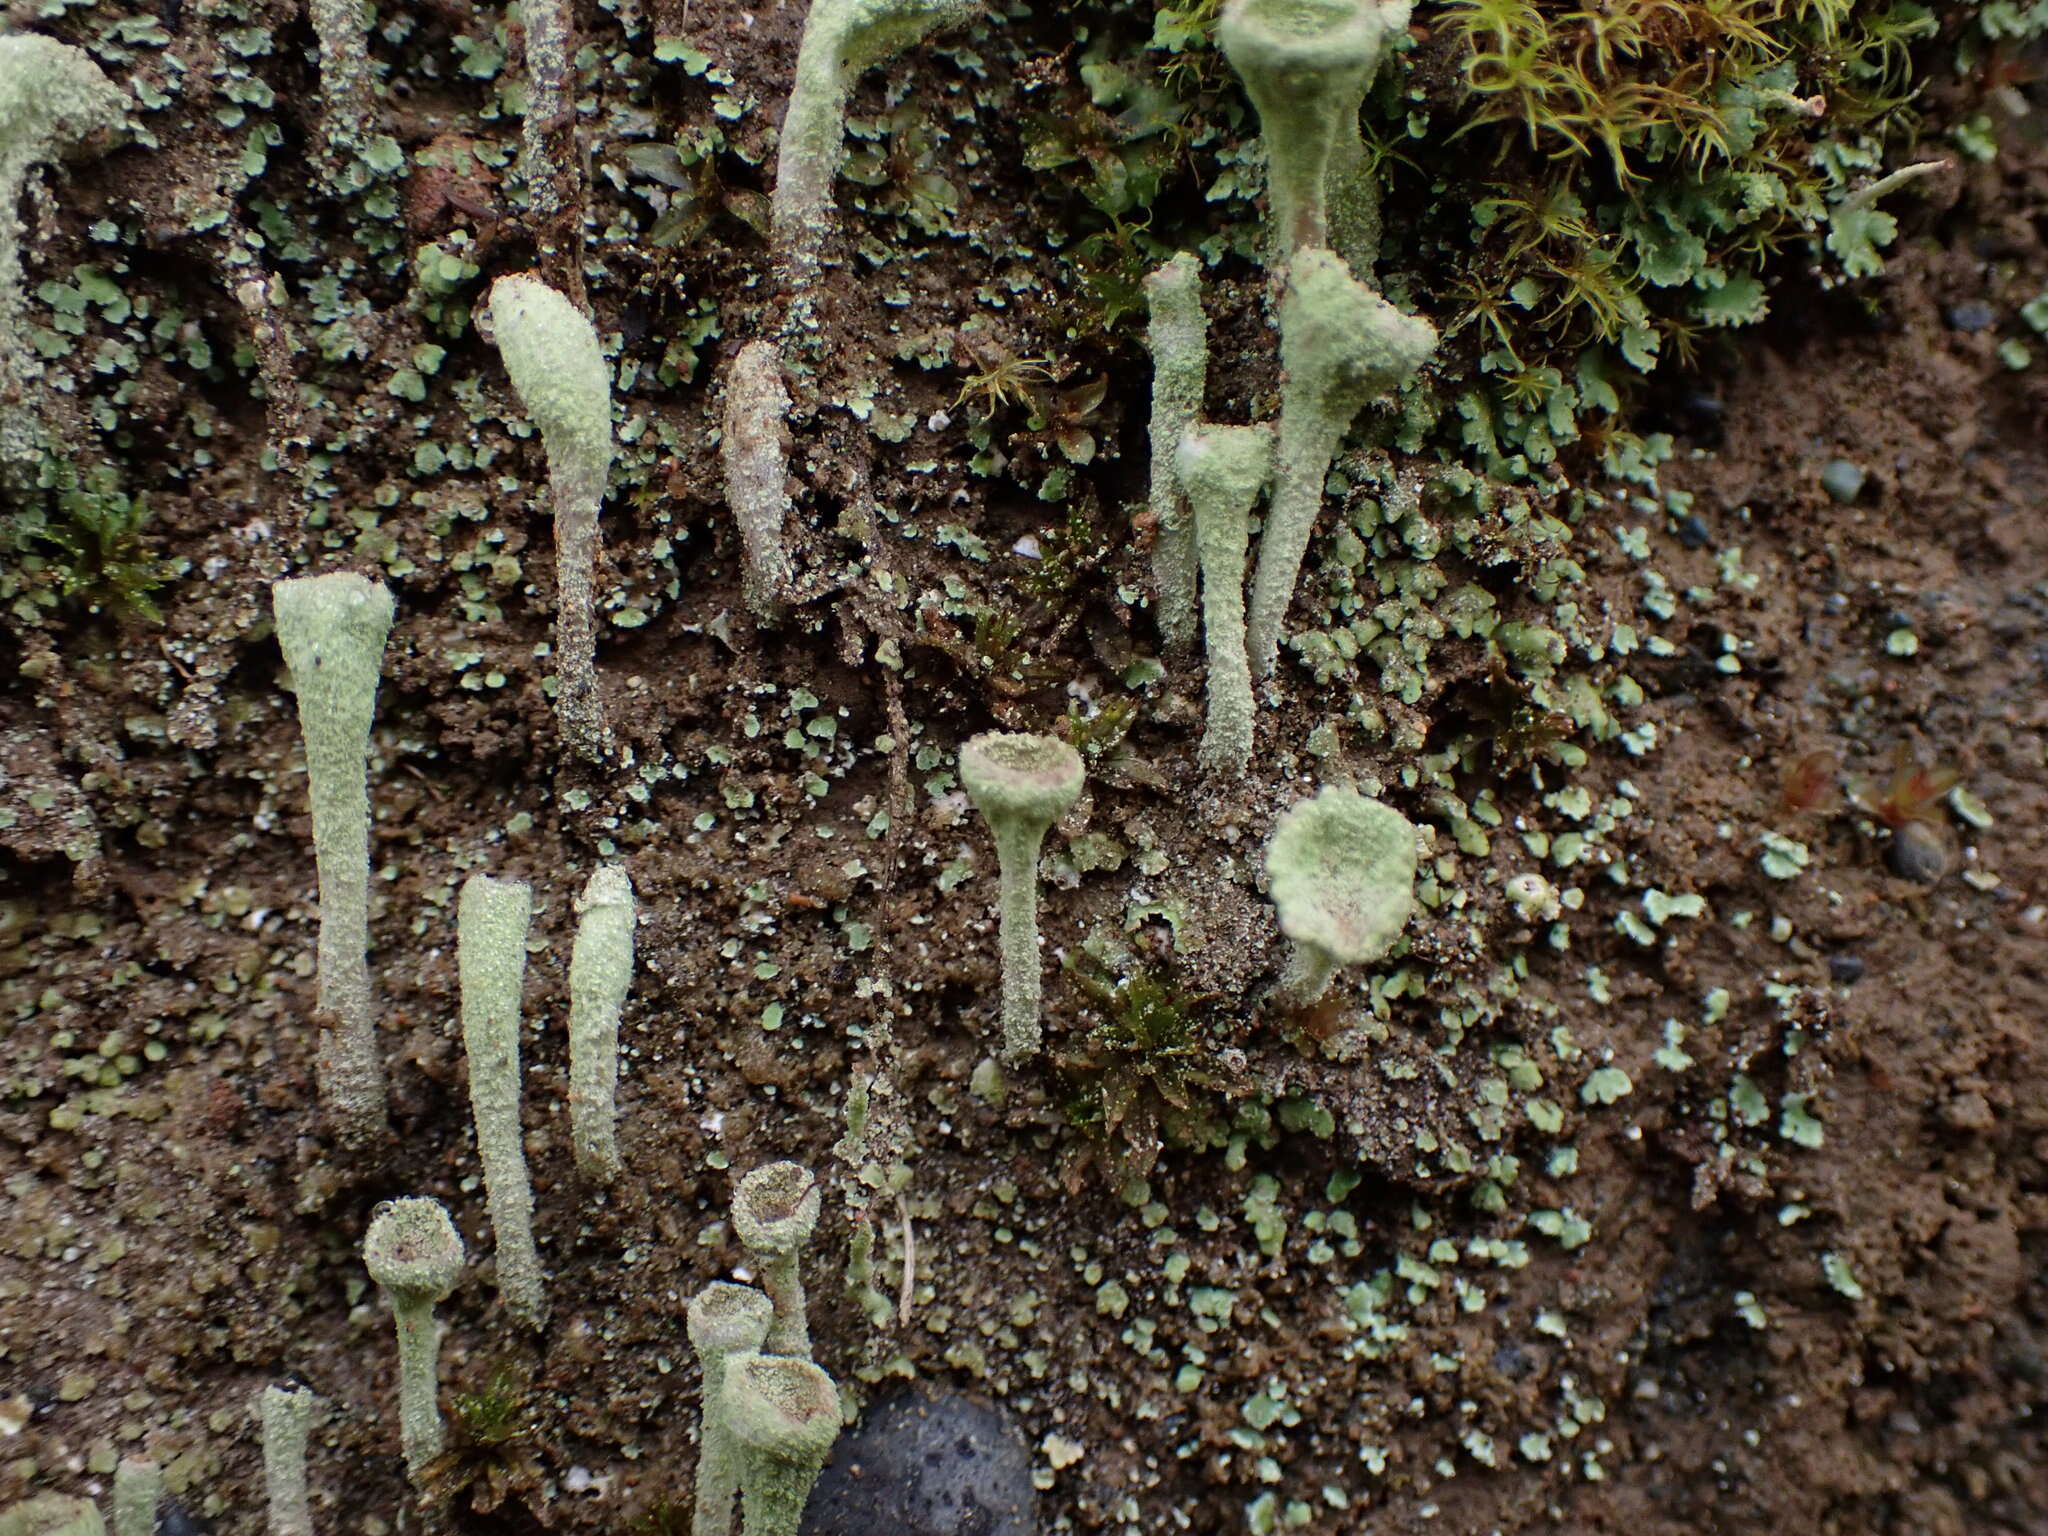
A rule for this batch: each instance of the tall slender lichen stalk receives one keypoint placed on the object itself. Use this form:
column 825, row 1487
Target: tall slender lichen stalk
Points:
column 600, row 976
column 1178, row 334
column 841, row 39
column 332, row 631
column 490, row 963
column 754, row 449
column 1306, row 65
column 1021, row 784
column 1341, row 345
column 784, row 1415
column 552, row 179
column 723, row 1320
column 1223, row 469
column 415, row 1256
column 286, row 1413
column 347, row 100
column 558, row 371
column 51, row 96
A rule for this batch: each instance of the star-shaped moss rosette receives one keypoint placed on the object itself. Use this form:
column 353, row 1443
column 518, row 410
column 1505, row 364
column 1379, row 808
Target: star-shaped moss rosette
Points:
column 1021, row 784
column 1342, row 873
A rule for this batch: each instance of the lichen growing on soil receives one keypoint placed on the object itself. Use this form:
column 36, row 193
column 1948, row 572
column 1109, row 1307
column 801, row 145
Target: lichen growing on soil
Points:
column 1684, row 1171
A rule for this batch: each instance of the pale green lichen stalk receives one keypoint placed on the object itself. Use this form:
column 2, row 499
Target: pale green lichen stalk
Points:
column 286, row 1413
column 1178, row 335
column 1021, row 784
column 52, row 1514
column 549, row 115
column 1306, row 64
column 414, row 1253
column 490, row 964
column 774, row 1211
column 558, row 370
column 1341, row 346
column 1342, row 873
column 600, row 976
column 332, row 631
column 347, row 87
column 783, row 1414
column 724, row 1320
column 841, row 39
column 138, row 1490
column 754, row 449
column 1223, row 470
column 51, row 96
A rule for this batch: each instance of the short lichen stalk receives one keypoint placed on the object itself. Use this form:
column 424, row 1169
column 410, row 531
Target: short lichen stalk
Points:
column 286, row 1414
column 1341, row 345
column 1306, row 64
column 332, row 631
column 1342, row 873
column 1021, row 784
column 558, row 371
column 138, row 1490
column 414, row 1255
column 490, row 961
column 754, row 449
column 783, row 1414
column 1223, row 470
column 842, row 38
column 51, row 96
column 774, row 1211
column 600, row 976
column 1178, row 335
column 724, row 1320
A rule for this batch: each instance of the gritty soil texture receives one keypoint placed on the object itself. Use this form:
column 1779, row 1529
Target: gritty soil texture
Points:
column 1793, row 1276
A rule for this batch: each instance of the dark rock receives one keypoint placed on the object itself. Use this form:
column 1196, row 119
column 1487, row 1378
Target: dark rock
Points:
column 927, row 1464
column 1846, row 969
column 1693, row 531
column 1971, row 316
column 173, row 1520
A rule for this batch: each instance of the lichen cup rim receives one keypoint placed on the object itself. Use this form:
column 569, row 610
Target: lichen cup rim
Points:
column 1320, row 35
column 425, row 1258
column 775, row 1209
column 725, row 1317
column 1017, row 773
column 781, row 1404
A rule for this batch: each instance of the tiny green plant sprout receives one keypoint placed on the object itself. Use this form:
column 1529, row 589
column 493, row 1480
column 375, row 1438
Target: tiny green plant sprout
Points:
column 332, row 631
column 842, row 38
column 51, row 96
column 414, row 1254
column 138, row 1490
column 1342, row 869
column 724, row 1320
column 1223, row 470
column 490, row 963
column 783, row 1414
column 1341, row 346
column 600, row 976
column 1178, row 335
column 558, row 371
column 285, row 1414
column 1021, row 784
column 774, row 1211
column 754, row 446
column 1306, row 65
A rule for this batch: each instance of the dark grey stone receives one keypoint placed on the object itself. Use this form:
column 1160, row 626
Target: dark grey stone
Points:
column 927, row 1464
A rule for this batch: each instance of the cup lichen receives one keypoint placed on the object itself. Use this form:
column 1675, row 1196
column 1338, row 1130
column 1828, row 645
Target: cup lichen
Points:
column 783, row 1414
column 600, row 976
column 774, row 1211
column 1223, row 470
column 723, row 1320
column 414, row 1254
column 1342, row 873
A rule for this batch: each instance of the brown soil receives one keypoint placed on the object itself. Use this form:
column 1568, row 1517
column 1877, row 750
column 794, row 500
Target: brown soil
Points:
column 1757, row 1334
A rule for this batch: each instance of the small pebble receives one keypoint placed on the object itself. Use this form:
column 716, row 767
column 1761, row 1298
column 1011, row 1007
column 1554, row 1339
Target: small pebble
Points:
column 1842, row 480
column 173, row 1520
column 1971, row 316
column 1693, row 531
column 1846, row 969
column 1917, row 852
